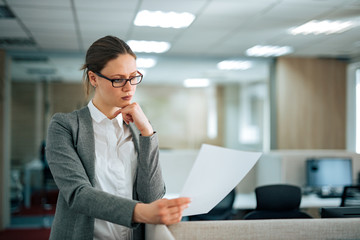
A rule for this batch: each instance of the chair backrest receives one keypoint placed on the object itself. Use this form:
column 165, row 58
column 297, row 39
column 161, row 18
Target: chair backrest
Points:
column 350, row 196
column 277, row 201
column 278, row 197
column 222, row 211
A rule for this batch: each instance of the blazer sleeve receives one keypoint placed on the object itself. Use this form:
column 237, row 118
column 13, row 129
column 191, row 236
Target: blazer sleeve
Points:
column 150, row 185
column 73, row 181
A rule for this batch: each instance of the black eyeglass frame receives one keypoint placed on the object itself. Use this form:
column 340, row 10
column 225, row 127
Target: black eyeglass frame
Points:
column 122, row 79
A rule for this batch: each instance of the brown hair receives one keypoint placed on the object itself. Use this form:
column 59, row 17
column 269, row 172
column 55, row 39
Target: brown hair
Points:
column 99, row 53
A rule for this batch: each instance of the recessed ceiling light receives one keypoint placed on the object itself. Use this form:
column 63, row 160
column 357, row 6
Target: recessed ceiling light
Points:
column 163, row 19
column 268, row 51
column 234, row 65
column 322, row 27
column 196, row 82
column 145, row 62
column 149, row 46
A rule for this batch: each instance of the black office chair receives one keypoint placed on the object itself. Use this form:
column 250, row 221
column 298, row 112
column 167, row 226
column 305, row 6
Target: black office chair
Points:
column 350, row 196
column 277, row 202
column 222, row 211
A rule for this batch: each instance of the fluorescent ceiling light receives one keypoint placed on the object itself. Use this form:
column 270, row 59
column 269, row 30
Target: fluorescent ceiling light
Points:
column 163, row 19
column 196, row 82
column 148, row 46
column 234, row 65
column 322, row 27
column 145, row 62
column 267, row 51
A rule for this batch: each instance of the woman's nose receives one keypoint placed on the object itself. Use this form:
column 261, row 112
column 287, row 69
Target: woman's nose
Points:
column 127, row 86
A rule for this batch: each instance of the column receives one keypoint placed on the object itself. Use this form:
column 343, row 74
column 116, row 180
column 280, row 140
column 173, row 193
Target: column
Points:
column 5, row 94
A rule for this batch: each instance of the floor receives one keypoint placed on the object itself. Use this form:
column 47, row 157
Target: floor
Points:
column 32, row 223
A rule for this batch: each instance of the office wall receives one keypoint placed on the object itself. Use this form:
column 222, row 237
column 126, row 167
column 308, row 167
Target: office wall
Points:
column 311, row 103
column 33, row 104
column 65, row 97
column 23, row 116
column 181, row 115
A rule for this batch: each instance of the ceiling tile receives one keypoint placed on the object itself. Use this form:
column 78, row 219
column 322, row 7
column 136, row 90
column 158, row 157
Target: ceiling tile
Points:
column 119, row 5
column 216, row 22
column 11, row 28
column 305, row 10
column 205, row 36
column 94, row 24
column 191, row 6
column 154, row 34
column 90, row 33
column 44, row 14
column 299, row 41
column 57, row 40
column 346, row 13
column 228, row 14
column 41, row 3
column 237, row 8
column 42, row 26
column 111, row 19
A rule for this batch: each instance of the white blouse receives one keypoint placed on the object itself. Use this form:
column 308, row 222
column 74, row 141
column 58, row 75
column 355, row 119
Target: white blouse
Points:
column 115, row 167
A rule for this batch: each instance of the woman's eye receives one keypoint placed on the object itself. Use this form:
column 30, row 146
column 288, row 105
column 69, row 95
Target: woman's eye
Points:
column 118, row 80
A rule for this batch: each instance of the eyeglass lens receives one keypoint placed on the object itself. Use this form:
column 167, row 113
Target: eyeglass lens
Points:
column 122, row 82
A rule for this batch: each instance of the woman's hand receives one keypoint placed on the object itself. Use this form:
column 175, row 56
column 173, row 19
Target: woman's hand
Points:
column 133, row 113
column 162, row 211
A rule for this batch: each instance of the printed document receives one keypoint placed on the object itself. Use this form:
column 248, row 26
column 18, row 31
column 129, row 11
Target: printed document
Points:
column 215, row 173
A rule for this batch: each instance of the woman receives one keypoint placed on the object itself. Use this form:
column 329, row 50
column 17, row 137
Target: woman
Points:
column 104, row 157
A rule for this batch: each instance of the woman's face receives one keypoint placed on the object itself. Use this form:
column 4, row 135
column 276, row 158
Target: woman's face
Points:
column 124, row 66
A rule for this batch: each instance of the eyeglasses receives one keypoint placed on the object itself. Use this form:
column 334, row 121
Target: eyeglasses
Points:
column 117, row 83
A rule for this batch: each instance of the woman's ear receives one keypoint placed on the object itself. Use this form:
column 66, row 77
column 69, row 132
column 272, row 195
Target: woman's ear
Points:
column 92, row 78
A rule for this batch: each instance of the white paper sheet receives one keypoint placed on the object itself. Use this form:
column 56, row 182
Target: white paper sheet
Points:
column 215, row 173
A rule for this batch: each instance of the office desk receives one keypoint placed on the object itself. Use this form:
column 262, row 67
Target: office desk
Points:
column 248, row 201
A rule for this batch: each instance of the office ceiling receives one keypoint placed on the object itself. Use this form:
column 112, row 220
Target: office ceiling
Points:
column 48, row 38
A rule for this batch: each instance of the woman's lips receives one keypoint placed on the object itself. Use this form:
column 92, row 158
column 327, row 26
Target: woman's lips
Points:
column 127, row 98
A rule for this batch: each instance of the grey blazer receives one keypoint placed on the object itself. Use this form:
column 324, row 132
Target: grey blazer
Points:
column 70, row 152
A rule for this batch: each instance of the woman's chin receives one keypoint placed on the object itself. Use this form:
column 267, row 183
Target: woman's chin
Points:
column 123, row 104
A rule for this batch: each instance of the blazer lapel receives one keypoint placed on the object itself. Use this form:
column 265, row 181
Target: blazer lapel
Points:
column 86, row 142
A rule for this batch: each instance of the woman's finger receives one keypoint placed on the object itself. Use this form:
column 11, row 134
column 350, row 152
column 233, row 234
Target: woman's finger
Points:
column 177, row 209
column 179, row 201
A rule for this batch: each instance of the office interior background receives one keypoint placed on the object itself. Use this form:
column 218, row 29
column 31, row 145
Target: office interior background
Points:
column 246, row 75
